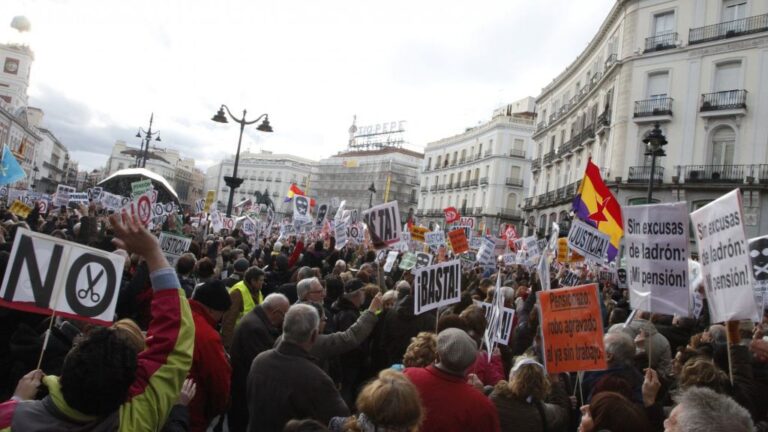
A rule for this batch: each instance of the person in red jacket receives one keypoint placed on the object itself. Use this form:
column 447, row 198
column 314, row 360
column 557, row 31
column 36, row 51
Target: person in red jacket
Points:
column 210, row 367
column 451, row 404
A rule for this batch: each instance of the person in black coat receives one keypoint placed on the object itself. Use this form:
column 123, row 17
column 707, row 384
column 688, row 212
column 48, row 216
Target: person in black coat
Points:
column 255, row 334
column 401, row 324
column 346, row 311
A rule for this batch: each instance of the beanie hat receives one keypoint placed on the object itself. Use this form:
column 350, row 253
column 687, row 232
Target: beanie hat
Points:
column 214, row 295
column 241, row 265
column 353, row 285
column 457, row 350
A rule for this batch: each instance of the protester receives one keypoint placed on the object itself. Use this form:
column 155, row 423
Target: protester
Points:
column 245, row 295
column 703, row 410
column 610, row 411
column 284, row 383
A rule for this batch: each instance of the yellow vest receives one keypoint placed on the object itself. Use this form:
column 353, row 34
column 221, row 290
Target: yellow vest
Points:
column 245, row 293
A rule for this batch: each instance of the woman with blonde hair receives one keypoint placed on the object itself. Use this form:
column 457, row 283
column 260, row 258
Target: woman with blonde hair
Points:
column 530, row 401
column 390, row 403
column 422, row 351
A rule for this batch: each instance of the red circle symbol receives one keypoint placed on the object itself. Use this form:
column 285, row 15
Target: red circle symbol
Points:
column 144, row 209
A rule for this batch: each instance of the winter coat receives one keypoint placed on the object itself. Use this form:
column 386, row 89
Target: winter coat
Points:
column 400, row 325
column 284, row 383
column 535, row 416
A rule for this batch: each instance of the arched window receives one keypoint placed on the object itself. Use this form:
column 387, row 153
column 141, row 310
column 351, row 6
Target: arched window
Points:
column 723, row 143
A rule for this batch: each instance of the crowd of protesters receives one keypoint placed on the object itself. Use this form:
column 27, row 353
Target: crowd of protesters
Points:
column 280, row 332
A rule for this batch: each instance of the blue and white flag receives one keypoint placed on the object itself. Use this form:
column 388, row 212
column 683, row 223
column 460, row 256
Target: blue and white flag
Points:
column 10, row 170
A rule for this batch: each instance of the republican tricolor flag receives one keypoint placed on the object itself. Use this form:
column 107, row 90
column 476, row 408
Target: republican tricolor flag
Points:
column 595, row 205
column 294, row 190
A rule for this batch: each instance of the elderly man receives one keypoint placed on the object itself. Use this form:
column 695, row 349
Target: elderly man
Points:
column 620, row 356
column 451, row 403
column 700, row 409
column 284, row 383
column 290, row 289
column 256, row 333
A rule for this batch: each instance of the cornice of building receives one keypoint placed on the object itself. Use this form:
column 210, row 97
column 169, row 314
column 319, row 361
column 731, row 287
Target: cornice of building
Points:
column 503, row 122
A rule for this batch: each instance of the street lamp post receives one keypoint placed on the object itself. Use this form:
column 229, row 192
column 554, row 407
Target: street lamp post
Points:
column 141, row 159
column 234, row 182
column 654, row 142
column 372, row 190
column 36, row 170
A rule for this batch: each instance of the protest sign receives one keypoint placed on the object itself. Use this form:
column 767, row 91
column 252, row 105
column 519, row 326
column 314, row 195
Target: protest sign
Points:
column 418, row 233
column 451, row 215
column 725, row 260
column 437, row 286
column 505, row 323
column 656, row 249
column 46, row 274
column 174, row 246
column 140, row 187
column 200, row 206
column 110, row 201
column 322, row 211
column 228, row 223
column 572, row 329
column 588, row 241
column 532, row 246
column 408, row 261
column 467, row 221
column 383, row 222
column 140, row 208
column 621, row 277
column 391, row 257
column 510, row 259
column 216, row 221
column 42, row 206
column 80, row 198
column 248, row 225
column 210, row 196
column 485, row 253
column 499, row 247
column 340, row 233
column 434, row 238
column 301, row 212
column 543, row 269
column 758, row 252
column 355, row 232
column 458, row 240
column 475, row 243
column 62, row 195
column 20, row 209
column 423, row 259
column 16, row 194
column 94, row 193
column 569, row 279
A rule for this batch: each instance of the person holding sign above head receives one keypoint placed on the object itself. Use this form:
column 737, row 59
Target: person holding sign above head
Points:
column 451, row 403
column 104, row 384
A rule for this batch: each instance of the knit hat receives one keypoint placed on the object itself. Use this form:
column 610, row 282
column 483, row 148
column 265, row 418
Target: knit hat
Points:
column 457, row 350
column 214, row 295
column 353, row 285
column 241, row 265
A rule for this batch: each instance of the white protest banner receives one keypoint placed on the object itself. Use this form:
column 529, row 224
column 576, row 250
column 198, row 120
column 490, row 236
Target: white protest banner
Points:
column 46, row 274
column 475, row 243
column 110, row 201
column 140, row 208
column 199, row 206
column 79, row 198
column 174, row 246
column 656, row 250
column 485, row 253
column 507, row 320
column 247, row 225
column 510, row 259
column 301, row 211
column 228, row 223
column 383, row 223
column 499, row 247
column 588, row 241
column 532, row 246
column 758, row 252
column 725, row 260
column 94, row 193
column 543, row 270
column 434, row 238
column 216, row 222
column 62, row 195
column 16, row 195
column 340, row 231
column 391, row 257
column 408, row 261
column 436, row 286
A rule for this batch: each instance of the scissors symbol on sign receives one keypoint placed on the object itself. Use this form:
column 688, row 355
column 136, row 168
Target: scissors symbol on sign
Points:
column 85, row 292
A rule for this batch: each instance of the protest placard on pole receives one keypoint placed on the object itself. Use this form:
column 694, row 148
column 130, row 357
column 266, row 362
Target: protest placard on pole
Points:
column 140, row 187
column 434, row 238
column 46, row 274
column 485, row 253
column 301, row 211
column 383, row 222
column 725, row 260
column 391, row 257
column 340, row 233
column 437, row 286
column 758, row 252
column 656, row 250
column 572, row 329
column 532, row 246
column 408, row 261
column 423, row 259
column 174, row 246
column 418, row 233
column 62, row 195
column 110, row 201
column 588, row 241
column 80, row 198
column 20, row 209
column 458, row 240
column 506, row 322
column 140, row 207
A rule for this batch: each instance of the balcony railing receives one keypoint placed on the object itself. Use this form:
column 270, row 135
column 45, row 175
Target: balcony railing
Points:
column 528, row 202
column 508, row 213
column 549, row 198
column 611, row 60
column 661, row 42
column 477, row 211
column 763, row 173
column 728, row 29
column 457, row 185
column 517, row 153
column 549, row 157
column 641, row 174
column 536, row 164
column 724, row 100
column 715, row 173
column 541, row 125
column 433, row 188
column 441, row 187
column 514, row 181
column 473, row 182
column 483, row 180
column 653, row 107
column 604, row 119
column 465, row 183
column 423, row 188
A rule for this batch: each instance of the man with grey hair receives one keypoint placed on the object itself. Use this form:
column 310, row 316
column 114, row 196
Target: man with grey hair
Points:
column 700, row 409
column 452, row 404
column 255, row 334
column 284, row 383
column 289, row 289
column 310, row 290
column 620, row 356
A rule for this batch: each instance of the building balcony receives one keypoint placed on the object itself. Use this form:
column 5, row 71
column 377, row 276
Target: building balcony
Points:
column 465, row 184
column 549, row 157
column 728, row 29
column 473, row 182
column 514, row 181
column 477, row 211
column 661, row 42
column 517, row 153
column 611, row 60
column 641, row 174
column 536, row 164
column 763, row 174
column 528, row 203
column 729, row 102
column 715, row 173
column 423, row 189
column 549, row 197
column 425, row 169
column 541, row 125
column 441, row 187
column 433, row 188
column 508, row 213
column 488, row 153
column 457, row 185
column 419, row 213
column 278, row 180
column 483, row 181
column 604, row 119
column 564, row 148
column 653, row 110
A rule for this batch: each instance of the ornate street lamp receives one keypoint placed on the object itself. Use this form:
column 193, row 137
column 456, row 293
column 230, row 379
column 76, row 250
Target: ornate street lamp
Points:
column 654, row 142
column 234, row 182
column 141, row 159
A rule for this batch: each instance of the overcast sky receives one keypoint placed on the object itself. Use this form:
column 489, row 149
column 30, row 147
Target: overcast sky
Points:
column 102, row 66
